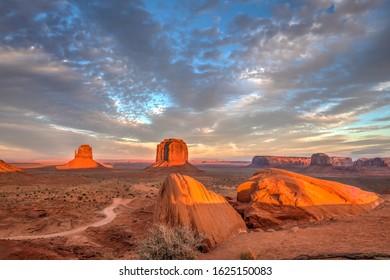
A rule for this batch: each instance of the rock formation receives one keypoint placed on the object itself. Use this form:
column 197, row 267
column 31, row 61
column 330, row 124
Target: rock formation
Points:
column 185, row 201
column 276, row 161
column 5, row 167
column 370, row 162
column 341, row 161
column 320, row 159
column 172, row 153
column 273, row 197
column 82, row 159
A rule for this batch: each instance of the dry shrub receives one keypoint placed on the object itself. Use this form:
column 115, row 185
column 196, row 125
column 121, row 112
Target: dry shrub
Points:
column 171, row 243
column 248, row 255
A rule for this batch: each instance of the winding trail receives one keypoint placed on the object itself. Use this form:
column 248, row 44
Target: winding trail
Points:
column 109, row 212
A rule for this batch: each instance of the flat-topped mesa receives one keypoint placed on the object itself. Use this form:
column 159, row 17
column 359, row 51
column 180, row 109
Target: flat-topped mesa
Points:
column 82, row 159
column 279, row 161
column 370, row 162
column 84, row 151
column 320, row 159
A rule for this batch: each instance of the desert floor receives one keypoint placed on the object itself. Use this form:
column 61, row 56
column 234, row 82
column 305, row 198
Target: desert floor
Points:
column 102, row 214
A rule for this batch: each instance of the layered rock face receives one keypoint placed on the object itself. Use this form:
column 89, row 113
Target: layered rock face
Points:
column 370, row 162
column 84, row 151
column 171, row 152
column 5, row 167
column 273, row 197
column 276, row 161
column 320, row 159
column 82, row 159
column 341, row 161
column 185, row 201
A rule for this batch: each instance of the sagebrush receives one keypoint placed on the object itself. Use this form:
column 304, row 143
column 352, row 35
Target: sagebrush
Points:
column 171, row 243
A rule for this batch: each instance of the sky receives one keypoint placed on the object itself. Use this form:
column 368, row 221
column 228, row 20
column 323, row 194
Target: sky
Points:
column 234, row 79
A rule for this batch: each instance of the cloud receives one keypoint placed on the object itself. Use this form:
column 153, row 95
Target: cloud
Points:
column 238, row 77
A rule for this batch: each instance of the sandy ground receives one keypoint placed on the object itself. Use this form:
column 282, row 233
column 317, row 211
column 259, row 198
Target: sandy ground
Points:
column 90, row 214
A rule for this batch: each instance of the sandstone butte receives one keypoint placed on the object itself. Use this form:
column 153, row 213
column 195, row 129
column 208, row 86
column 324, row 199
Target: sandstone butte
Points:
column 82, row 159
column 5, row 167
column 172, row 153
column 183, row 201
column 274, row 197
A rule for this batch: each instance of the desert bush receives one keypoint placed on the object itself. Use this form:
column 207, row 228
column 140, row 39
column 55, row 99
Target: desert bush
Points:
column 248, row 255
column 171, row 243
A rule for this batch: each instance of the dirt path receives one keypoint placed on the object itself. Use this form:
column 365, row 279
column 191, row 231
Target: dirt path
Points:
column 109, row 212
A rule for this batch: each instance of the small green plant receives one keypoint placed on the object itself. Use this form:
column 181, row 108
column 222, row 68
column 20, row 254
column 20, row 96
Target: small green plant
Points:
column 171, row 243
column 248, row 255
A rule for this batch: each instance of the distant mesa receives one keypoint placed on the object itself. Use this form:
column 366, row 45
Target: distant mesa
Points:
column 279, row 161
column 5, row 167
column 82, row 159
column 184, row 201
column 172, row 153
column 370, row 162
column 320, row 159
column 274, row 197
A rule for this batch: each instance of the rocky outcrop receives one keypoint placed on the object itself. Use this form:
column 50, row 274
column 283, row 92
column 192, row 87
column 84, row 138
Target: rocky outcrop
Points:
column 172, row 156
column 320, row 159
column 274, row 197
column 82, row 159
column 341, row 161
column 276, row 161
column 171, row 152
column 370, row 162
column 5, row 167
column 184, row 201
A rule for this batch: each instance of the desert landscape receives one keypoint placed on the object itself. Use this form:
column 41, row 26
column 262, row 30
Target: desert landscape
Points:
column 196, row 130
column 94, row 212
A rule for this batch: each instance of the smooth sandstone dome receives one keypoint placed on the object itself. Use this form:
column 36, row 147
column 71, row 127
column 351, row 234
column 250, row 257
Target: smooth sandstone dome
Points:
column 82, row 159
column 5, row 167
column 184, row 201
column 273, row 197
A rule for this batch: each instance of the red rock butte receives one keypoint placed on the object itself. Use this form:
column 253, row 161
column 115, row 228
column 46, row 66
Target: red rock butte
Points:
column 5, row 167
column 82, row 159
column 183, row 201
column 172, row 153
column 273, row 197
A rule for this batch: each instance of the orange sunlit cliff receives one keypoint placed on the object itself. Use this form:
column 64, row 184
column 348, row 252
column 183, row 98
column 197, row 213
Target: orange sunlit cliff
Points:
column 273, row 197
column 185, row 201
column 172, row 155
column 5, row 167
column 82, row 159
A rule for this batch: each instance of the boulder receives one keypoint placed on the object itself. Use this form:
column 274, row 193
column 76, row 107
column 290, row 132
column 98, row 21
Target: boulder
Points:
column 370, row 162
column 320, row 159
column 5, row 167
column 83, row 159
column 274, row 197
column 184, row 201
column 278, row 161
